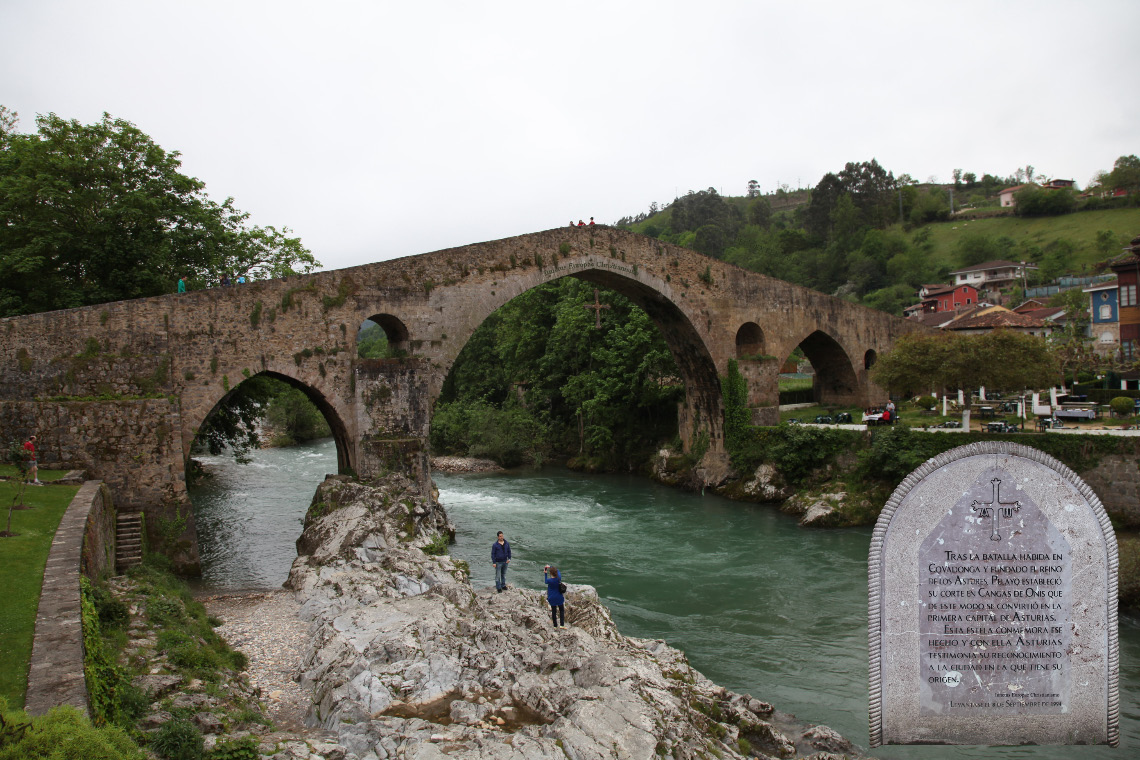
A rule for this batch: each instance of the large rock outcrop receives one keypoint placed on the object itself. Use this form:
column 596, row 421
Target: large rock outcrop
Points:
column 407, row 660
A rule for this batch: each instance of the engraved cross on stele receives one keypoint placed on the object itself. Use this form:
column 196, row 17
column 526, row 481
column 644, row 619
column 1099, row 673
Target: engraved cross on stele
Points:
column 597, row 307
column 990, row 508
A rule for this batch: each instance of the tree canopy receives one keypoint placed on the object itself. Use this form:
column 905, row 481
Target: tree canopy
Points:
column 99, row 212
column 1001, row 360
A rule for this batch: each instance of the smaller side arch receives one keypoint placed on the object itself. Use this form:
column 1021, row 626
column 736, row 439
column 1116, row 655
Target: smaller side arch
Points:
column 870, row 358
column 749, row 340
column 395, row 330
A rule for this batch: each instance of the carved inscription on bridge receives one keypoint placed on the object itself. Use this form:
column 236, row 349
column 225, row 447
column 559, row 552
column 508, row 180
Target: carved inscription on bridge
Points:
column 994, row 606
column 993, row 611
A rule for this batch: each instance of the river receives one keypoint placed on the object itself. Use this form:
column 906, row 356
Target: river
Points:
column 759, row 604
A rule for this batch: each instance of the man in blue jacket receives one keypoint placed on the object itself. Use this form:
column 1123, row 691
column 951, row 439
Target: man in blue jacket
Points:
column 500, row 558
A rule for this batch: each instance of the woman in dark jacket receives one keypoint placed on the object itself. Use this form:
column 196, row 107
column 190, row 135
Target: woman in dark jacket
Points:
column 554, row 595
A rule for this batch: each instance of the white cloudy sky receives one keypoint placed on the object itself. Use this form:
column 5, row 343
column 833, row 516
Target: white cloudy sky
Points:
column 381, row 129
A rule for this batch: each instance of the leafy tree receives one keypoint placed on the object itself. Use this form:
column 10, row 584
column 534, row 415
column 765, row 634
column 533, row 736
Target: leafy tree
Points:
column 1039, row 201
column 1125, row 174
column 99, row 212
column 294, row 417
column 930, row 206
column 710, row 240
column 760, row 213
column 1002, row 360
column 975, row 247
column 1072, row 344
column 696, row 209
column 753, row 188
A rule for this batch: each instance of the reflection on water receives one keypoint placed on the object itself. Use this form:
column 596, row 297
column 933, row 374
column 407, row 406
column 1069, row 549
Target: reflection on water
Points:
column 757, row 603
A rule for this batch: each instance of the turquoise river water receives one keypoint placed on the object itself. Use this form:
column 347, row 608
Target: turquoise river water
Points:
column 759, row 604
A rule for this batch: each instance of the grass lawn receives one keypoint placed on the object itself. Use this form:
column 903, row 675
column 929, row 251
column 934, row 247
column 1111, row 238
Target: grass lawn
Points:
column 22, row 560
column 1080, row 229
column 10, row 471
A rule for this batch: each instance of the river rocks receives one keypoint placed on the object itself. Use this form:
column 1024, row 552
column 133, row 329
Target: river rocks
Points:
column 407, row 660
column 464, row 465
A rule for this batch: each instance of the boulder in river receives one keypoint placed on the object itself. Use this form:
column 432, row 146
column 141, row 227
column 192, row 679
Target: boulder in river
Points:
column 408, row 660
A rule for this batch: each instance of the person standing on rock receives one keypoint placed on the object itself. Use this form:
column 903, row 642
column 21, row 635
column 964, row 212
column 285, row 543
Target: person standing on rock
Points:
column 500, row 558
column 554, row 589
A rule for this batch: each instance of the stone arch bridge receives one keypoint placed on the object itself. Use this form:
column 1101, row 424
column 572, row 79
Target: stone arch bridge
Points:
column 120, row 389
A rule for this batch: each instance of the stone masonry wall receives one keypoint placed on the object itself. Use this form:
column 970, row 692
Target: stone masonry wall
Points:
column 98, row 558
column 1116, row 480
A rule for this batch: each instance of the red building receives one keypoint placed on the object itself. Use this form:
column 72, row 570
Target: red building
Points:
column 939, row 298
column 1127, row 270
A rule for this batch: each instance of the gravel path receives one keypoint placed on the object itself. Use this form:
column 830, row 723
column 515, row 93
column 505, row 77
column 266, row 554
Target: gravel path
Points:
column 265, row 627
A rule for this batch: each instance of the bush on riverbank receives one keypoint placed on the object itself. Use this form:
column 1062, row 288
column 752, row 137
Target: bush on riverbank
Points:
column 152, row 658
column 62, row 733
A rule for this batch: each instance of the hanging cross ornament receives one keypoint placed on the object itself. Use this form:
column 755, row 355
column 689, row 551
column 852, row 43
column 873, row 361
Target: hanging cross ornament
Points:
column 990, row 509
column 597, row 307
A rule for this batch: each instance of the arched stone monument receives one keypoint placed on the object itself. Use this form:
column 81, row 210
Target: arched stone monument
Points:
column 993, row 605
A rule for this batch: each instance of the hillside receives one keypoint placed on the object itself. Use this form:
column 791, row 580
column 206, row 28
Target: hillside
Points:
column 844, row 237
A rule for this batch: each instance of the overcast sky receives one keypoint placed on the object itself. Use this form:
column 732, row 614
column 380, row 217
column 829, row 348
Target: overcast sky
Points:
column 382, row 129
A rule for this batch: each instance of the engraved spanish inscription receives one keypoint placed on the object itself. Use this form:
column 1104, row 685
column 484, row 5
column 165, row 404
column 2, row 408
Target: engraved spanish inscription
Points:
column 994, row 618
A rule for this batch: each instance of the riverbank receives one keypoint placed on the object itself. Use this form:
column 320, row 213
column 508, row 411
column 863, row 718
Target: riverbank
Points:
column 407, row 658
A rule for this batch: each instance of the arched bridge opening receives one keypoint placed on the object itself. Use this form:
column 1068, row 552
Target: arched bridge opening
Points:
column 255, row 462
column 567, row 367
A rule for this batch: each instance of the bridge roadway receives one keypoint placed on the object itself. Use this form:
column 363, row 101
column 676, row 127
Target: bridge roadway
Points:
column 120, row 389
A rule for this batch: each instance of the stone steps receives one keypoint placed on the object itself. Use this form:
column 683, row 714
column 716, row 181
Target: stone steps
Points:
column 128, row 540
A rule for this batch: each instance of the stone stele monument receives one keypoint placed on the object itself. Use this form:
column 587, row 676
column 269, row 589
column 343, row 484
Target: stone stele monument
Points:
column 993, row 605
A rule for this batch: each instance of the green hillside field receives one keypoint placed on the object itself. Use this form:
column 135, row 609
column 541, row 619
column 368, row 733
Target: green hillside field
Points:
column 1079, row 228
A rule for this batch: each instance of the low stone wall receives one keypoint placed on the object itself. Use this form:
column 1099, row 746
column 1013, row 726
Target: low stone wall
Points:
column 1116, row 480
column 84, row 543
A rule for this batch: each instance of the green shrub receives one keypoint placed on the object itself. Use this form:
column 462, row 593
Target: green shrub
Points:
column 178, row 739
column 926, row 402
column 235, row 749
column 63, row 733
column 438, row 545
column 112, row 612
column 1122, row 406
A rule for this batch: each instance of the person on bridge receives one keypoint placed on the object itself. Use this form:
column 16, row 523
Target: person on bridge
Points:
column 581, row 223
column 30, row 455
column 182, row 284
column 591, row 221
column 500, row 558
column 554, row 590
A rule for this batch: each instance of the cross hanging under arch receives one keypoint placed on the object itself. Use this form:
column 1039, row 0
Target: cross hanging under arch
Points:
column 597, row 306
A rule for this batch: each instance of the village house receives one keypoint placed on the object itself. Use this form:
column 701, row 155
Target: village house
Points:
column 996, row 317
column 992, row 275
column 939, row 298
column 1104, row 317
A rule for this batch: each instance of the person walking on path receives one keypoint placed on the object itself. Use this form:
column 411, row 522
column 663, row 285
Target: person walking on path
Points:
column 30, row 453
column 554, row 590
column 500, row 558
